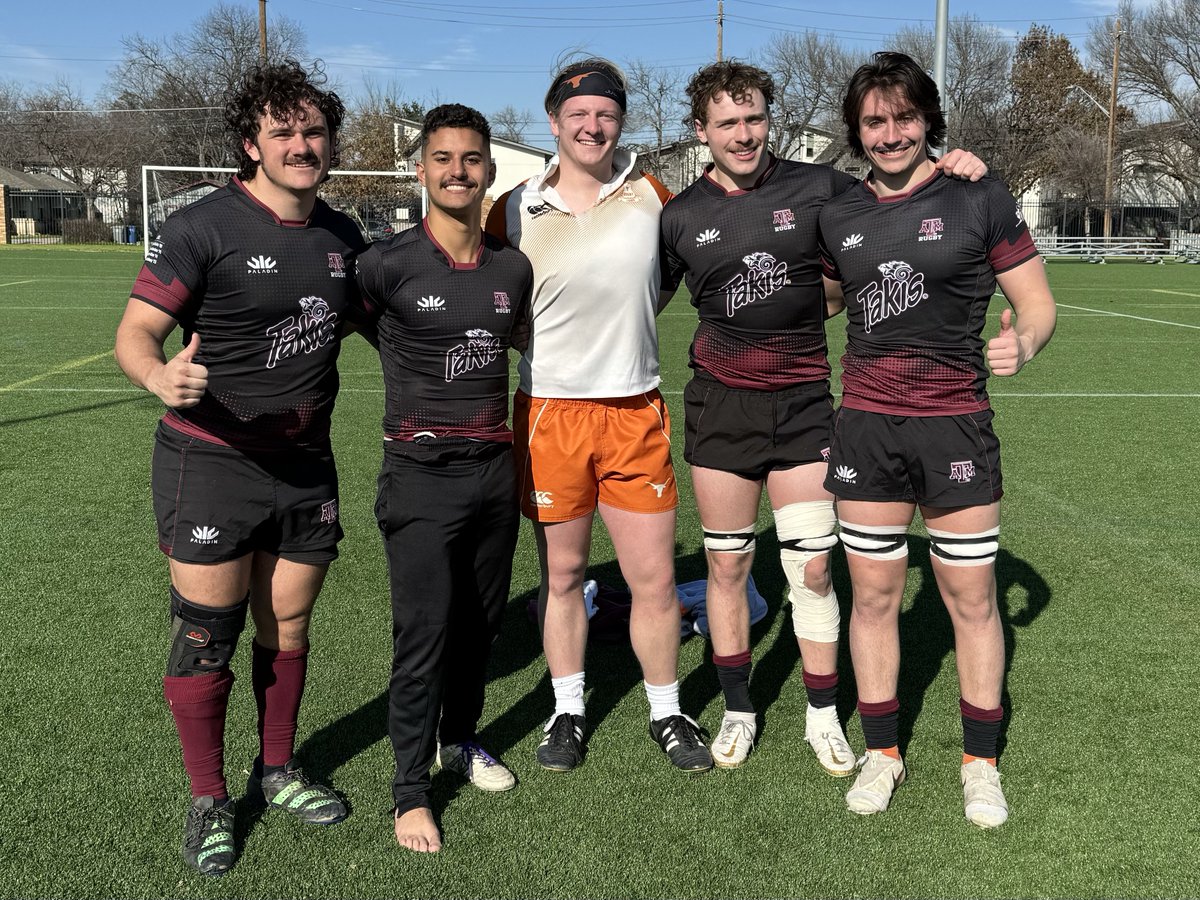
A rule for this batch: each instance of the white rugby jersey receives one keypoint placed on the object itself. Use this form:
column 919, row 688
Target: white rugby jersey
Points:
column 596, row 281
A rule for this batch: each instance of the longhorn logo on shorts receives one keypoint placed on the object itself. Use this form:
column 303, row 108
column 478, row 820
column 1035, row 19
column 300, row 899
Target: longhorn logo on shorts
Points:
column 312, row 329
column 542, row 499
column 658, row 488
column 963, row 471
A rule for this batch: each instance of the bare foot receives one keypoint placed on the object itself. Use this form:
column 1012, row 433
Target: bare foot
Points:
column 417, row 831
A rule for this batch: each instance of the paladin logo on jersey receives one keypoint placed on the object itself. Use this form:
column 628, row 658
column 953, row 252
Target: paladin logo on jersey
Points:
column 783, row 220
column 329, row 512
column 337, row 265
column 261, row 265
column 931, row 230
column 501, row 301
column 765, row 277
column 855, row 240
column 962, row 472
column 704, row 238
column 425, row 304
column 481, row 348
column 205, row 534
column 846, row 474
column 313, row 328
column 902, row 288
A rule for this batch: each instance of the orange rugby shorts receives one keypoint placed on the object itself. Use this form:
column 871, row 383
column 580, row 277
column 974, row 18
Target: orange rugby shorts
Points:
column 573, row 454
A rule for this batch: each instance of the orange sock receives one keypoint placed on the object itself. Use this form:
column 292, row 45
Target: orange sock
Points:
column 892, row 751
column 968, row 758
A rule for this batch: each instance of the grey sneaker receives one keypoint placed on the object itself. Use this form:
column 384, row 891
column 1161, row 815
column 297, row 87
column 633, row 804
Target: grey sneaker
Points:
column 878, row 777
column 983, row 798
column 476, row 765
column 824, row 734
column 734, row 742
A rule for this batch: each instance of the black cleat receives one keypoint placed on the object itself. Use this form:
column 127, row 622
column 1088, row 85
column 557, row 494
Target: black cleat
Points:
column 561, row 750
column 208, row 845
column 680, row 738
column 289, row 790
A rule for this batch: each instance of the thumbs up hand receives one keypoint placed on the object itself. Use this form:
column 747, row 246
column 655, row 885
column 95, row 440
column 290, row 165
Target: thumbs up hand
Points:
column 1005, row 352
column 181, row 383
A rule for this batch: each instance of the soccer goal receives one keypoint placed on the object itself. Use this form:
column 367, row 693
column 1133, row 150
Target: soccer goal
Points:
column 380, row 203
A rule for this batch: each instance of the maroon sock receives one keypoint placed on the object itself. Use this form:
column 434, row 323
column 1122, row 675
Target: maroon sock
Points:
column 278, row 677
column 198, row 704
column 880, row 723
column 821, row 689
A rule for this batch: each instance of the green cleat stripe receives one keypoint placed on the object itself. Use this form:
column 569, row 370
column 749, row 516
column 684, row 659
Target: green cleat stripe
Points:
column 220, row 837
column 205, row 854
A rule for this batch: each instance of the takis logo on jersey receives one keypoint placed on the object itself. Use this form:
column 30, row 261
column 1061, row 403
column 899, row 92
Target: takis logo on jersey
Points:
column 901, row 289
column 931, row 230
column 500, row 298
column 764, row 276
column 313, row 328
column 543, row 499
column 855, row 240
column 329, row 512
column 963, row 471
column 337, row 265
column 481, row 348
column 711, row 236
column 783, row 219
column 261, row 265
column 428, row 303
column 846, row 474
column 204, row 534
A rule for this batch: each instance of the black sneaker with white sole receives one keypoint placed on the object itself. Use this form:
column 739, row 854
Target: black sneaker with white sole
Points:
column 680, row 738
column 561, row 750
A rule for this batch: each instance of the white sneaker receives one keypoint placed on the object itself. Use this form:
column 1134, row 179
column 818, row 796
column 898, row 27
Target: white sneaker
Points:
column 983, row 798
column 734, row 742
column 476, row 765
column 824, row 734
column 879, row 776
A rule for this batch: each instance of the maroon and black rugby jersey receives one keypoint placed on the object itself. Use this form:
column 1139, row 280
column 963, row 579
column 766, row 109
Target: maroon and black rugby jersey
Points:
column 753, row 267
column 269, row 300
column 444, row 333
column 918, row 271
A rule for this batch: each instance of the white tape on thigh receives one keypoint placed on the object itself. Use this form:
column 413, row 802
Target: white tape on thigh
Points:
column 875, row 541
column 964, row 549
column 805, row 531
column 739, row 541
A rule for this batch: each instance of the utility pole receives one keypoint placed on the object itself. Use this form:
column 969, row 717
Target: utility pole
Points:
column 720, row 25
column 1112, row 132
column 941, row 32
column 262, row 32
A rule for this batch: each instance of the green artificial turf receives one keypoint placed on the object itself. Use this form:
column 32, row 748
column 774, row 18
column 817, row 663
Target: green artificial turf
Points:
column 1098, row 586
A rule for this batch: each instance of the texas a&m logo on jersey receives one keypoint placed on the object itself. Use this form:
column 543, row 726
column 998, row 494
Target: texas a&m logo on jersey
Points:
column 337, row 265
column 481, row 348
column 931, row 230
column 501, row 302
column 963, row 471
column 900, row 289
column 763, row 277
column 313, row 328
column 783, row 220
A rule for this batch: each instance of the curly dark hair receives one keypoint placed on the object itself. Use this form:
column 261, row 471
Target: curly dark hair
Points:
column 455, row 115
column 282, row 88
column 730, row 76
column 898, row 75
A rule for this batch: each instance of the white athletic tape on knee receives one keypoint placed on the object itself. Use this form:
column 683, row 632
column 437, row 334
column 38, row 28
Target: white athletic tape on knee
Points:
column 815, row 618
column 875, row 541
column 805, row 529
column 740, row 540
column 964, row 549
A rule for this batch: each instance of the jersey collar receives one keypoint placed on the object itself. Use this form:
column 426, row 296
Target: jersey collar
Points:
column 240, row 188
column 623, row 162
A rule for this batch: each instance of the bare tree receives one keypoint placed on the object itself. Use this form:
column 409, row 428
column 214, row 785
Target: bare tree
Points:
column 1160, row 74
column 182, row 80
column 12, row 134
column 810, row 73
column 509, row 123
column 656, row 110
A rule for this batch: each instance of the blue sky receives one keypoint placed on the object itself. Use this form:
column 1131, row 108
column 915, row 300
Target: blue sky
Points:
column 488, row 54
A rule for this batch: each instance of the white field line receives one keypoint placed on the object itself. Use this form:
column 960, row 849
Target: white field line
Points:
column 55, row 308
column 57, row 370
column 14, row 283
column 1175, row 293
column 1127, row 316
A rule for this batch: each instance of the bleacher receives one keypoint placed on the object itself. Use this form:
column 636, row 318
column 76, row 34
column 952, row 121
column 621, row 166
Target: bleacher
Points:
column 1100, row 249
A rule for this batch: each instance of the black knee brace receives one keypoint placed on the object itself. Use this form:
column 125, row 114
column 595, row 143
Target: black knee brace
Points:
column 203, row 638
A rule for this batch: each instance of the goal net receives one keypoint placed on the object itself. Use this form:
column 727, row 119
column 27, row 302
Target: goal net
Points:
column 380, row 203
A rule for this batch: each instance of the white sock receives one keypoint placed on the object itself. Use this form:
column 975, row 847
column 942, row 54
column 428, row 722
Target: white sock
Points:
column 749, row 718
column 568, row 695
column 664, row 700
